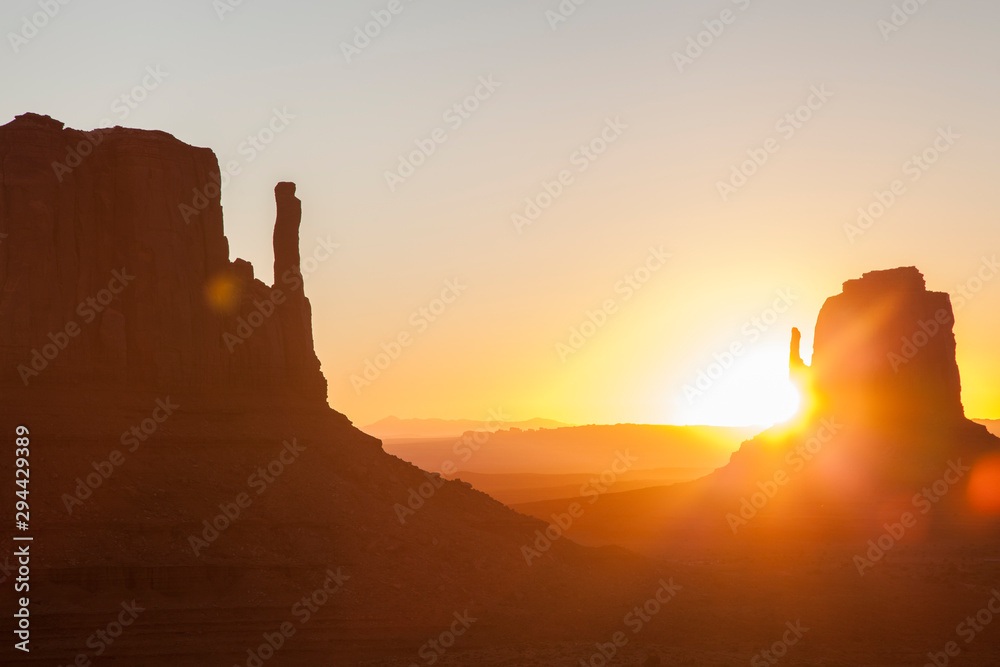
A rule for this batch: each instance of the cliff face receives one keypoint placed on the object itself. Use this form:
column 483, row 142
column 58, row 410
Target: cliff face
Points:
column 114, row 271
column 884, row 351
column 162, row 384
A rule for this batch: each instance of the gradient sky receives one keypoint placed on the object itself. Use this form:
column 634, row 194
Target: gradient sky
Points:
column 655, row 186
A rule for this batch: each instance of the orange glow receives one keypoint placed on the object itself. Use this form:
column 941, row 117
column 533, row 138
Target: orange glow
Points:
column 984, row 485
column 223, row 293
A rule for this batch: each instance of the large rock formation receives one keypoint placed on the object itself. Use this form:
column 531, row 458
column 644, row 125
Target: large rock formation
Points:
column 115, row 272
column 182, row 453
column 884, row 368
column 882, row 420
column 884, row 351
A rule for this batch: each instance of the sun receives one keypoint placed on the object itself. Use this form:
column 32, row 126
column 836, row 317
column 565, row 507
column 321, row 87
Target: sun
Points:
column 754, row 391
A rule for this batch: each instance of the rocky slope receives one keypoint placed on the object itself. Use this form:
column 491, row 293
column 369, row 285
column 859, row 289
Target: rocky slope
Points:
column 183, row 456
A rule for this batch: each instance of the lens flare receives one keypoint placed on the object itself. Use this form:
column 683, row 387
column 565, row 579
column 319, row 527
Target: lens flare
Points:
column 223, row 293
column 983, row 492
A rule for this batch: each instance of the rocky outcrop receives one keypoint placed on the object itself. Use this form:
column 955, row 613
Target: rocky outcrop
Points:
column 295, row 311
column 884, row 370
column 798, row 372
column 163, row 384
column 114, row 271
column 884, row 352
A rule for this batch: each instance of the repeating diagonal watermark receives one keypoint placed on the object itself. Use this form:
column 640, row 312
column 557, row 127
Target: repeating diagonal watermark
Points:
column 33, row 24
column 779, row 649
column 899, row 17
column 365, row 34
column 703, row 40
column 635, row 620
column 225, row 7
column 434, row 649
column 796, row 459
column 88, row 311
column 464, row 449
column 293, row 279
column 593, row 489
column 913, row 170
column 304, row 610
column 787, row 127
column 103, row 638
column 133, row 438
column 626, row 288
column 259, row 481
column 563, row 12
column 580, row 161
column 454, row 118
column 751, row 331
column 927, row 330
column 122, row 107
column 968, row 629
column 420, row 321
column 923, row 502
column 249, row 150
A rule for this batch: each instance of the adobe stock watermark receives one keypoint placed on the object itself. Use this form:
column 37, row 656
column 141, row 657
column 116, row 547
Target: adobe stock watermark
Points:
column 464, row 449
column 87, row 310
column 779, row 649
column 580, row 161
column 454, row 118
column 927, row 330
column 899, row 17
column 564, row 11
column 700, row 42
column 293, row 279
column 420, row 321
column 635, row 620
column 796, row 460
column 433, row 650
column 923, row 502
column 259, row 481
column 913, row 170
column 624, row 289
column 133, row 438
column 304, row 610
column 33, row 24
column 592, row 489
column 366, row 33
column 103, row 638
column 249, row 149
column 78, row 152
column 224, row 7
column 968, row 290
column 122, row 107
column 752, row 330
column 787, row 127
column 968, row 630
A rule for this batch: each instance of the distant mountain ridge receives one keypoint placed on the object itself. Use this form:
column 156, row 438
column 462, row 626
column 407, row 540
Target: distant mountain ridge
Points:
column 395, row 428
column 992, row 425
column 574, row 449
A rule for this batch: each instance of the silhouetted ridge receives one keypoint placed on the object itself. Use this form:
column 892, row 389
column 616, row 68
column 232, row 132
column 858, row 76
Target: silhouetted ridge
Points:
column 118, row 235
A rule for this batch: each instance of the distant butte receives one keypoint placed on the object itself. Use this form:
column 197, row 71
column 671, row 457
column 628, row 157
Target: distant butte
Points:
column 884, row 351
